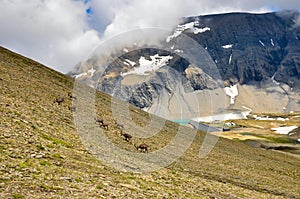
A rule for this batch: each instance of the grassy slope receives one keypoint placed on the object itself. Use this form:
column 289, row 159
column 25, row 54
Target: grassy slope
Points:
column 41, row 156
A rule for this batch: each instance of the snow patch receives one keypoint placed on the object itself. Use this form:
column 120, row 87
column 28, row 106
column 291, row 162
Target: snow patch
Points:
column 90, row 71
column 222, row 117
column 147, row 66
column 284, row 130
column 230, row 59
column 273, row 80
column 232, row 92
column 262, row 43
column 267, row 118
column 264, row 118
column 272, row 42
column 178, row 51
column 181, row 28
column 80, row 75
column 132, row 63
column 200, row 30
column 125, row 50
column 282, row 119
column 227, row 46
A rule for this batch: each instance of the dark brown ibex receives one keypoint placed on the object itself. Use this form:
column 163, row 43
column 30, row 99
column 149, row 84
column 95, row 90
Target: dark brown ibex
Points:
column 103, row 125
column 100, row 121
column 126, row 136
column 59, row 100
column 142, row 148
column 72, row 96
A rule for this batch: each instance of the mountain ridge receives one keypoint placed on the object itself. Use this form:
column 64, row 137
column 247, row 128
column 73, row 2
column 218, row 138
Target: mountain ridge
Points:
column 269, row 34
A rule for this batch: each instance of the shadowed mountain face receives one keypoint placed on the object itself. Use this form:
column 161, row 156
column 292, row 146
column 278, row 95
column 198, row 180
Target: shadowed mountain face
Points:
column 249, row 47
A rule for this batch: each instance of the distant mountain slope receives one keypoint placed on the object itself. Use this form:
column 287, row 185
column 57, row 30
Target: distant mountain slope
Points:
column 41, row 155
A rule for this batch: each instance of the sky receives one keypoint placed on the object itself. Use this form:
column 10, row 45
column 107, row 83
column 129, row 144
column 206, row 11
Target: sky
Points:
column 61, row 33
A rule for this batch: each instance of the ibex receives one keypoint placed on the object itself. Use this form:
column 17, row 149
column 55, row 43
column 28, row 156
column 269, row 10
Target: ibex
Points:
column 103, row 125
column 59, row 100
column 142, row 148
column 126, row 136
column 100, row 121
column 72, row 96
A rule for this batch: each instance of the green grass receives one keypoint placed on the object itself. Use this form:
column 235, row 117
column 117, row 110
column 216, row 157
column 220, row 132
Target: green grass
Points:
column 276, row 139
column 40, row 147
column 248, row 134
column 99, row 186
column 282, row 140
column 56, row 141
column 57, row 156
column 33, row 127
column 22, row 165
column 17, row 196
column 44, row 163
column 78, row 180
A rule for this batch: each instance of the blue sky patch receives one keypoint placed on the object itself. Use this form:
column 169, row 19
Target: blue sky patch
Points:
column 89, row 11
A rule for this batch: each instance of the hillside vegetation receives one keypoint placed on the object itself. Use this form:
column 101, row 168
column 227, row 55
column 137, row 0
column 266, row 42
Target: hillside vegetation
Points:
column 42, row 156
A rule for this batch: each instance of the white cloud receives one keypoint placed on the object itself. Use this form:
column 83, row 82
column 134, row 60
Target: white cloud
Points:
column 124, row 16
column 53, row 32
column 145, row 14
column 202, row 7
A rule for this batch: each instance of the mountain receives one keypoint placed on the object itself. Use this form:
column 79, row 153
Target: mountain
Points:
column 256, row 53
column 252, row 47
column 44, row 155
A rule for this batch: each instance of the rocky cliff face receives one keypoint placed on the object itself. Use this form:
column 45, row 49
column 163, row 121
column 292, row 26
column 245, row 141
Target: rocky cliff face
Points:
column 249, row 47
column 245, row 49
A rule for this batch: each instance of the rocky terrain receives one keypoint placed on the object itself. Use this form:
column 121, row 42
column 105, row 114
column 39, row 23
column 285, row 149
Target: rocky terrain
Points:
column 42, row 155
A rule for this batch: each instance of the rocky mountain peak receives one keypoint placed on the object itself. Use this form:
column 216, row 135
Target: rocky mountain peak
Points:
column 234, row 48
